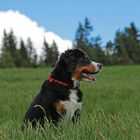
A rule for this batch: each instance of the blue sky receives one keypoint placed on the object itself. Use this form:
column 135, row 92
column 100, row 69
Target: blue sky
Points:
column 62, row 16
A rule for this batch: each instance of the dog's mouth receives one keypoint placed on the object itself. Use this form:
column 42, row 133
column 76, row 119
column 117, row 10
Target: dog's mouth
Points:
column 88, row 75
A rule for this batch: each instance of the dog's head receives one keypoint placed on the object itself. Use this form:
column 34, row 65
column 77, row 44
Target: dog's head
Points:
column 80, row 66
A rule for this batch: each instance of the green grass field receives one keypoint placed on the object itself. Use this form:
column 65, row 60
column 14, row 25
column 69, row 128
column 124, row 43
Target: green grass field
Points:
column 111, row 106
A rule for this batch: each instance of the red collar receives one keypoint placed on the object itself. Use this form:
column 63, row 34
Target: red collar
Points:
column 52, row 80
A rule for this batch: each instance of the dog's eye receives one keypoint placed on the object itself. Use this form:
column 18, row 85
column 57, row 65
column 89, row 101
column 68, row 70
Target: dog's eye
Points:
column 84, row 60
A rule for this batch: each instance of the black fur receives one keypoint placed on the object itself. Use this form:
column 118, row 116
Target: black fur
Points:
column 43, row 105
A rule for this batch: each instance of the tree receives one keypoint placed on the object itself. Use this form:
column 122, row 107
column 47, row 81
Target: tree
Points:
column 32, row 56
column 22, row 58
column 47, row 53
column 80, row 39
column 89, row 44
column 83, row 35
column 50, row 53
column 5, row 60
column 12, row 43
column 133, row 46
column 55, row 53
column 9, row 51
column 127, row 46
column 109, row 53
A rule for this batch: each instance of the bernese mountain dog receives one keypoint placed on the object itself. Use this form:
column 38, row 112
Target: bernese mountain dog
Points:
column 60, row 94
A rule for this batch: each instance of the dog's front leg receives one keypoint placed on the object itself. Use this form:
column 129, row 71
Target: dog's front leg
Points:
column 76, row 116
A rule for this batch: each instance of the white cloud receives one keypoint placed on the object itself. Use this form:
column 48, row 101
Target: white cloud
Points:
column 24, row 27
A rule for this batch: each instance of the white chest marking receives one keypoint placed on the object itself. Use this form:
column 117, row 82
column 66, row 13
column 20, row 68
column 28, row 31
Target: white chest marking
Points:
column 72, row 104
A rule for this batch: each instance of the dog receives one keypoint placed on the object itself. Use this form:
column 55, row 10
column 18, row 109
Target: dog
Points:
column 60, row 94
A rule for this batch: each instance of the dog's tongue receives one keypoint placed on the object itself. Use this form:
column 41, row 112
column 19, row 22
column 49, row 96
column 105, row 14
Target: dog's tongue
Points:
column 89, row 76
column 92, row 77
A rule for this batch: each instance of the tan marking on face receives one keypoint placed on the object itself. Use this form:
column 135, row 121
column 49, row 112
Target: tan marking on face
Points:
column 77, row 74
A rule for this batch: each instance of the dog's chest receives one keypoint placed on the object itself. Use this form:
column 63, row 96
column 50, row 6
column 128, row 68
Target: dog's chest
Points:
column 72, row 104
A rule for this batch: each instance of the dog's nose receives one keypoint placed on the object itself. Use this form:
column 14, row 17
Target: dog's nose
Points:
column 99, row 66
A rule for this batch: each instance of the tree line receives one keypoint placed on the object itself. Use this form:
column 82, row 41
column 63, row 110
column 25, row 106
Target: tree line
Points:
column 25, row 54
column 123, row 50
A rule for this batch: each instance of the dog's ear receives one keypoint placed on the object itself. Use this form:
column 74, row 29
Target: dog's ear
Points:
column 71, row 64
column 70, row 60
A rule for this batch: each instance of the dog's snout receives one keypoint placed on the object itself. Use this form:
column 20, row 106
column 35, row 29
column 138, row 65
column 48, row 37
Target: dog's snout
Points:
column 99, row 66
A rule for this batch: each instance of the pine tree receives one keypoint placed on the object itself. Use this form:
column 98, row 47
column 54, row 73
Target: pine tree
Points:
column 50, row 53
column 32, row 56
column 133, row 46
column 8, row 54
column 83, row 35
column 109, row 53
column 89, row 44
column 12, row 44
column 127, row 46
column 23, row 60
column 47, row 53
column 80, row 39
column 87, row 31
column 55, row 53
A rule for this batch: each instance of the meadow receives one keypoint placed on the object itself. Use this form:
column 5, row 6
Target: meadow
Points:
column 111, row 106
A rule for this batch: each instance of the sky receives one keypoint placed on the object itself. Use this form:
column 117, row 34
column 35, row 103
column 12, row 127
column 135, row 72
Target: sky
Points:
column 61, row 17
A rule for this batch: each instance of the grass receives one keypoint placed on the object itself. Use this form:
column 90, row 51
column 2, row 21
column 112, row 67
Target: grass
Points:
column 111, row 106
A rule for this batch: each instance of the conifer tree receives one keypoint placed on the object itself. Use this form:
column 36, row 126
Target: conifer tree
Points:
column 127, row 46
column 50, row 53
column 85, row 41
column 23, row 59
column 9, row 51
column 32, row 56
